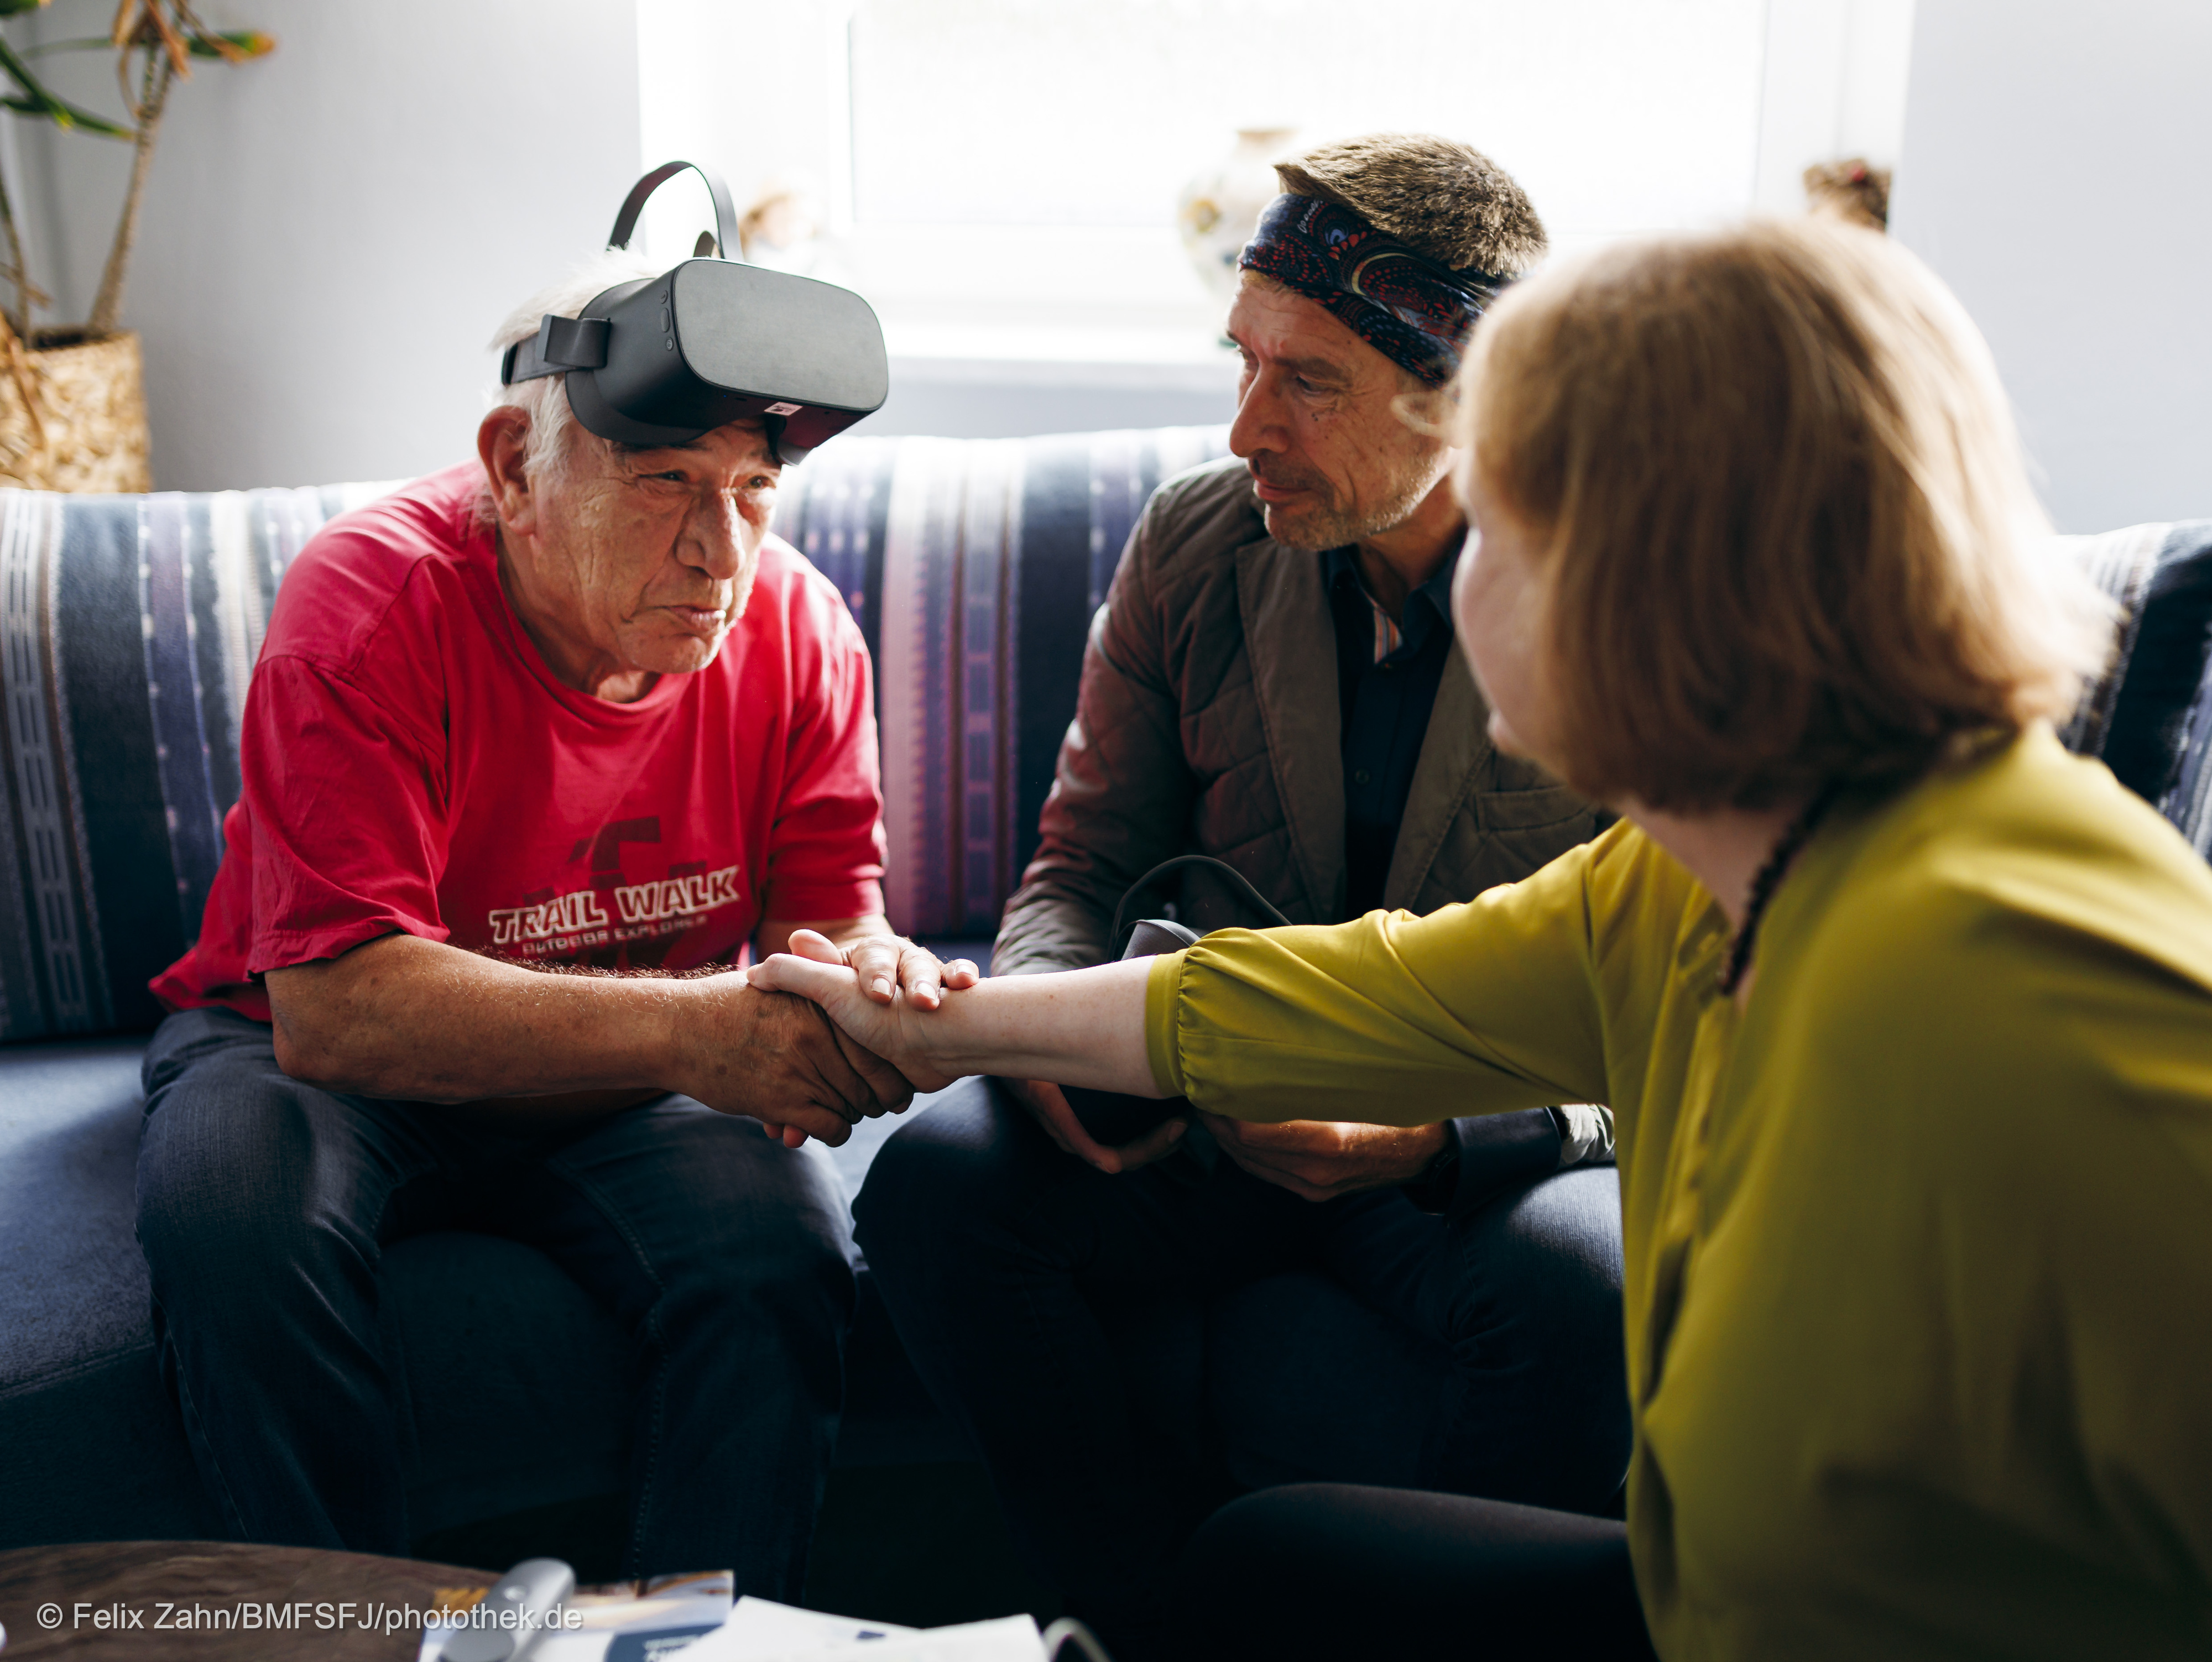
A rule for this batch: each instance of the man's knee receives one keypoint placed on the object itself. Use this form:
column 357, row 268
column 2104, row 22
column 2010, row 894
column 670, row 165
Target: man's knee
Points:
column 728, row 1219
column 1538, row 1319
column 1552, row 1251
column 802, row 1233
column 237, row 1163
column 963, row 1160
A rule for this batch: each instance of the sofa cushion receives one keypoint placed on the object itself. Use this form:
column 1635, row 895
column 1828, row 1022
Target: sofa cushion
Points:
column 86, row 1434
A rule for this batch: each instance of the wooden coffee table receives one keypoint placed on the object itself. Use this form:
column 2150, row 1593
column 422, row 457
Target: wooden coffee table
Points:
column 302, row 1602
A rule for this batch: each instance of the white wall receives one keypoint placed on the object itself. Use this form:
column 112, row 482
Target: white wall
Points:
column 789, row 122
column 2057, row 157
column 332, row 233
column 1834, row 87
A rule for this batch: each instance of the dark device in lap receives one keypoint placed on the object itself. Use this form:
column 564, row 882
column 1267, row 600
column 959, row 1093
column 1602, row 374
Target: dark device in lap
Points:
column 1111, row 1118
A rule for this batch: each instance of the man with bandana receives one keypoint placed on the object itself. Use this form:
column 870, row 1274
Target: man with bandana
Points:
column 1130, row 1334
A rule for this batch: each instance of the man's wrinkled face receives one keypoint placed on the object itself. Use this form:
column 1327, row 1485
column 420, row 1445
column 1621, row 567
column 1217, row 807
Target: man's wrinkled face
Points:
column 1331, row 459
column 648, row 556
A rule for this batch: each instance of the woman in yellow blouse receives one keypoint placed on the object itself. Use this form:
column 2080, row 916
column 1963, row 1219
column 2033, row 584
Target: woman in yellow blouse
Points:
column 1904, row 1014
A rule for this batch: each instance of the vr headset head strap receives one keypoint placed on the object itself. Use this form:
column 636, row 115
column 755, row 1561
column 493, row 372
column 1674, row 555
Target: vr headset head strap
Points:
column 563, row 344
column 726, row 214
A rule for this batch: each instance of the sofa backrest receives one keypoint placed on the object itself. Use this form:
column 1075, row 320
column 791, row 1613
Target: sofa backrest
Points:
column 974, row 567
column 129, row 626
column 2150, row 717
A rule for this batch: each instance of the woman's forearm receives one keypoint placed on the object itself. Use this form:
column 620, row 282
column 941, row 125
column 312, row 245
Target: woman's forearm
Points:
column 1078, row 1027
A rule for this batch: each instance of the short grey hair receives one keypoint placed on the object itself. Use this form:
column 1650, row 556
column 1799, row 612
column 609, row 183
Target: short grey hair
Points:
column 545, row 400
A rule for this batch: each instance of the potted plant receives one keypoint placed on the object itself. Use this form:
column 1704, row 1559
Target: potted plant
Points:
column 72, row 400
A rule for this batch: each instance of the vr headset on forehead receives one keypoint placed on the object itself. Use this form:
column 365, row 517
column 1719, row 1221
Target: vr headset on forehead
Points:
column 663, row 359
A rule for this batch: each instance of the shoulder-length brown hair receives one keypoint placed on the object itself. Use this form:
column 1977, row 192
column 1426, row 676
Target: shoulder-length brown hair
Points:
column 1789, row 533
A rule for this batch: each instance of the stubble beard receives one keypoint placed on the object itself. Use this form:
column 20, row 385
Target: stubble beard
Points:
column 1310, row 529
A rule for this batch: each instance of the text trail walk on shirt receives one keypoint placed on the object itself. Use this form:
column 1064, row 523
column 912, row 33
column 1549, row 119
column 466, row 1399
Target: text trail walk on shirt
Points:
column 412, row 764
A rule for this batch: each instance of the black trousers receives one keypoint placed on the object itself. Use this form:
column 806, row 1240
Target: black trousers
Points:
column 264, row 1206
column 1335, row 1571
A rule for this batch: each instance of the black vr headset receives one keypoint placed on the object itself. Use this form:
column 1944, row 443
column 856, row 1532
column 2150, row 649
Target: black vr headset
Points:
column 662, row 359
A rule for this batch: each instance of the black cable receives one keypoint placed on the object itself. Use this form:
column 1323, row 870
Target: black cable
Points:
column 1237, row 881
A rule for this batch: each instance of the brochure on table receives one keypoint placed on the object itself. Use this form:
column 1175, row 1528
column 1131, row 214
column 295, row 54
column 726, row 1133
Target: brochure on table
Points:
column 759, row 1631
column 695, row 1615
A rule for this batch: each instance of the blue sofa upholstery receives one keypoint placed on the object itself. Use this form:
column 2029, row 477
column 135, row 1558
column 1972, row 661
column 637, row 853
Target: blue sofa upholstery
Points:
column 128, row 626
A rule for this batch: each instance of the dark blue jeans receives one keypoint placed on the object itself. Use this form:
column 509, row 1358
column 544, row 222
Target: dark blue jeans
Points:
column 264, row 1208
column 1125, row 1351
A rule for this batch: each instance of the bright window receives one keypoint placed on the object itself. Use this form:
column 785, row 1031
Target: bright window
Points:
column 1615, row 114
column 1001, row 176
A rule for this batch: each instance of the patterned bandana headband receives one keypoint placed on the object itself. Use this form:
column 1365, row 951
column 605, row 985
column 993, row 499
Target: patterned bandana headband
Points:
column 1406, row 307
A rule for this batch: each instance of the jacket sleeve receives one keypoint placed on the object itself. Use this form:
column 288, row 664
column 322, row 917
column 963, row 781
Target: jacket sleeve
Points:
column 1121, row 791
column 1493, row 1152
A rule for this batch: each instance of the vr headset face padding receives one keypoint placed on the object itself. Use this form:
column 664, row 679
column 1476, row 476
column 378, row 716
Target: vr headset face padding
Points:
column 662, row 359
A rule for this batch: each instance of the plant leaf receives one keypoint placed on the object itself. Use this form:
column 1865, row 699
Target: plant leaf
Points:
column 37, row 100
column 17, row 8
column 234, row 45
column 67, row 119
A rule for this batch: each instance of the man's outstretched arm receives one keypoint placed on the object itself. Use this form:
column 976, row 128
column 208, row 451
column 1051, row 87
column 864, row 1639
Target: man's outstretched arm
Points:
column 400, row 1016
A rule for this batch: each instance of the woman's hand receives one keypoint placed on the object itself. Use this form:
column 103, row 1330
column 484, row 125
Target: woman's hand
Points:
column 884, row 961
column 893, row 1028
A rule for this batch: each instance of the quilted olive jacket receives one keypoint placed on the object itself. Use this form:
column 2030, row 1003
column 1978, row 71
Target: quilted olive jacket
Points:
column 1208, row 724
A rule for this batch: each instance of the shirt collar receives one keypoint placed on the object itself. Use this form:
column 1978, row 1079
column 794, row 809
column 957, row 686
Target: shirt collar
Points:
column 1341, row 565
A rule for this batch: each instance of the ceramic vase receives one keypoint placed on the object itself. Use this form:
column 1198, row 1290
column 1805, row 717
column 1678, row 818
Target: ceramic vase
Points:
column 1221, row 204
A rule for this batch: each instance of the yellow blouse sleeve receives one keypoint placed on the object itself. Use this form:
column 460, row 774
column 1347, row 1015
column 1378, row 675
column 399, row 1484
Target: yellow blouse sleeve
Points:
column 1392, row 1019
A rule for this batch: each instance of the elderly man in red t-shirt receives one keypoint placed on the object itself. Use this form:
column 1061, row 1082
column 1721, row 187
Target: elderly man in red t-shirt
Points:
column 571, row 709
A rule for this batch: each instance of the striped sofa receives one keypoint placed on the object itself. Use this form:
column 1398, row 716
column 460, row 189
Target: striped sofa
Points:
column 128, row 627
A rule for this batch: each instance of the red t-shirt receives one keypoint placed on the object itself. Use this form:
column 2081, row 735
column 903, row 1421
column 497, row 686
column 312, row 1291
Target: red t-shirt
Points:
column 410, row 763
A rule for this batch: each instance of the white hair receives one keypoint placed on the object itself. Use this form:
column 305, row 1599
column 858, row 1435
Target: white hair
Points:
column 545, row 400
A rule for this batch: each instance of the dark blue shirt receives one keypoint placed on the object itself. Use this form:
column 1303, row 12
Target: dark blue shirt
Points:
column 1386, row 675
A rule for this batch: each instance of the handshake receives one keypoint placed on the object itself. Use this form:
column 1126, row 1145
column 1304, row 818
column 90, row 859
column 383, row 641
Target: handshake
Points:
column 874, row 992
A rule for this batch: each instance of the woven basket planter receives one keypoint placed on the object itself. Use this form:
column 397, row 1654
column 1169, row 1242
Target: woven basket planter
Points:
column 92, row 407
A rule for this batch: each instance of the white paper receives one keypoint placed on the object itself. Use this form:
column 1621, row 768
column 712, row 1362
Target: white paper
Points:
column 759, row 1631
column 761, row 1627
